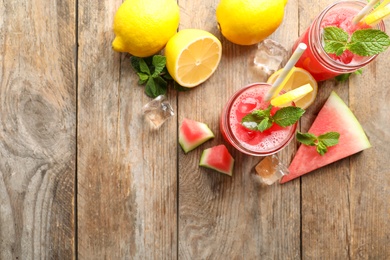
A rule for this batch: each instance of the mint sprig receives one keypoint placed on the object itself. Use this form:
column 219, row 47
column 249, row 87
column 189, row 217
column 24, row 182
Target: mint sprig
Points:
column 262, row 120
column 345, row 77
column 322, row 142
column 364, row 42
column 152, row 73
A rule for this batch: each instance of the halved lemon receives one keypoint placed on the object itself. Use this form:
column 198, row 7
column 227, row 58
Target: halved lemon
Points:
column 192, row 56
column 298, row 78
column 292, row 95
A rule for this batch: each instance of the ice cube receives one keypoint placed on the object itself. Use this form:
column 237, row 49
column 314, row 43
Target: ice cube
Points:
column 270, row 169
column 248, row 105
column 158, row 111
column 269, row 57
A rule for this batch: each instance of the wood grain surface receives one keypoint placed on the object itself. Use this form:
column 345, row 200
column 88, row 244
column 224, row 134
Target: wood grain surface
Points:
column 84, row 176
column 37, row 132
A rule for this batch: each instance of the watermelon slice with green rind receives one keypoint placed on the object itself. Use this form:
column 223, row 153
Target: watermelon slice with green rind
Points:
column 218, row 158
column 192, row 134
column 334, row 116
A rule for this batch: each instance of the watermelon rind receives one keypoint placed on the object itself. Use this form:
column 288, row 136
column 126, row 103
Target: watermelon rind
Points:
column 199, row 130
column 218, row 155
column 336, row 116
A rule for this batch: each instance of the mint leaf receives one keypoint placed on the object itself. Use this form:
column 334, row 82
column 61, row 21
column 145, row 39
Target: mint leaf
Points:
column 344, row 77
column 135, row 63
column 322, row 142
column 252, row 120
column 161, row 85
column 152, row 73
column 263, row 113
column 155, row 87
column 364, row 42
column 287, row 116
column 150, row 88
column 321, row 148
column 262, row 120
column 307, row 138
column 335, row 40
column 158, row 62
column 143, row 78
column 144, row 67
column 368, row 42
column 358, row 72
column 329, row 139
column 258, row 119
column 265, row 124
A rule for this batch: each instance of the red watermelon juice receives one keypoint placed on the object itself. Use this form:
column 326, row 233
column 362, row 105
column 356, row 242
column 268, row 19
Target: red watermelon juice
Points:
column 253, row 142
column 324, row 66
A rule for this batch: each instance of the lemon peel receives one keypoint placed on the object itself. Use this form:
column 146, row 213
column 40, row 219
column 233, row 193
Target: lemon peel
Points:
column 291, row 96
column 247, row 22
column 143, row 27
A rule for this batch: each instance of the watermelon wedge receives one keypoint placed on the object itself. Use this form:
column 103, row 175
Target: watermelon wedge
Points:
column 192, row 134
column 335, row 116
column 218, row 158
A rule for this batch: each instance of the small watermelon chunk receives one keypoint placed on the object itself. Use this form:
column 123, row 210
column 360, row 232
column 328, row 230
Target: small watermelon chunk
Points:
column 334, row 116
column 218, row 158
column 193, row 133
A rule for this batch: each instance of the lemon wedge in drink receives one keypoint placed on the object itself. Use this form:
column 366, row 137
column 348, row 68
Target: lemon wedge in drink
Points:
column 291, row 96
column 192, row 56
column 378, row 14
column 298, row 78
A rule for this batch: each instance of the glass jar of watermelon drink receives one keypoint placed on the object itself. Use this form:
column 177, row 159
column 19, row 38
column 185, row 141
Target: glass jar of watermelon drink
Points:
column 316, row 60
column 253, row 142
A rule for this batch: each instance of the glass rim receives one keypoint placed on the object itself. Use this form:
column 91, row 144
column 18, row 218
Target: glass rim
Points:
column 327, row 61
column 228, row 134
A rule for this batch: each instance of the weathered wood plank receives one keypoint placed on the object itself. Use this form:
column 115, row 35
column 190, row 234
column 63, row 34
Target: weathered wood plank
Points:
column 343, row 207
column 231, row 217
column 370, row 171
column 126, row 171
column 37, row 132
column 325, row 205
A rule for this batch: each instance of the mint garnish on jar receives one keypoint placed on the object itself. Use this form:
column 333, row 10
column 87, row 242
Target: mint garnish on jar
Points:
column 364, row 42
column 262, row 119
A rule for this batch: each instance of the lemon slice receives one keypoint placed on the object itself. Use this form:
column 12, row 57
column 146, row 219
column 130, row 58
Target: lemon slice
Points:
column 378, row 14
column 291, row 96
column 192, row 56
column 298, row 78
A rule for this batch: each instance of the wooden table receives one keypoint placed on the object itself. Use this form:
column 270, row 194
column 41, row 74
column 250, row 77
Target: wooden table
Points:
column 82, row 175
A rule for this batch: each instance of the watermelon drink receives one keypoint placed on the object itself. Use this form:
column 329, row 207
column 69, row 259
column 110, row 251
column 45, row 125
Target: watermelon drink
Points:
column 322, row 65
column 253, row 142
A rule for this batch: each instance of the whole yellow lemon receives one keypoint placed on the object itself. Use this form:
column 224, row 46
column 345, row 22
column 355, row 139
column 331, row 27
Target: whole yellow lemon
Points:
column 247, row 22
column 143, row 27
